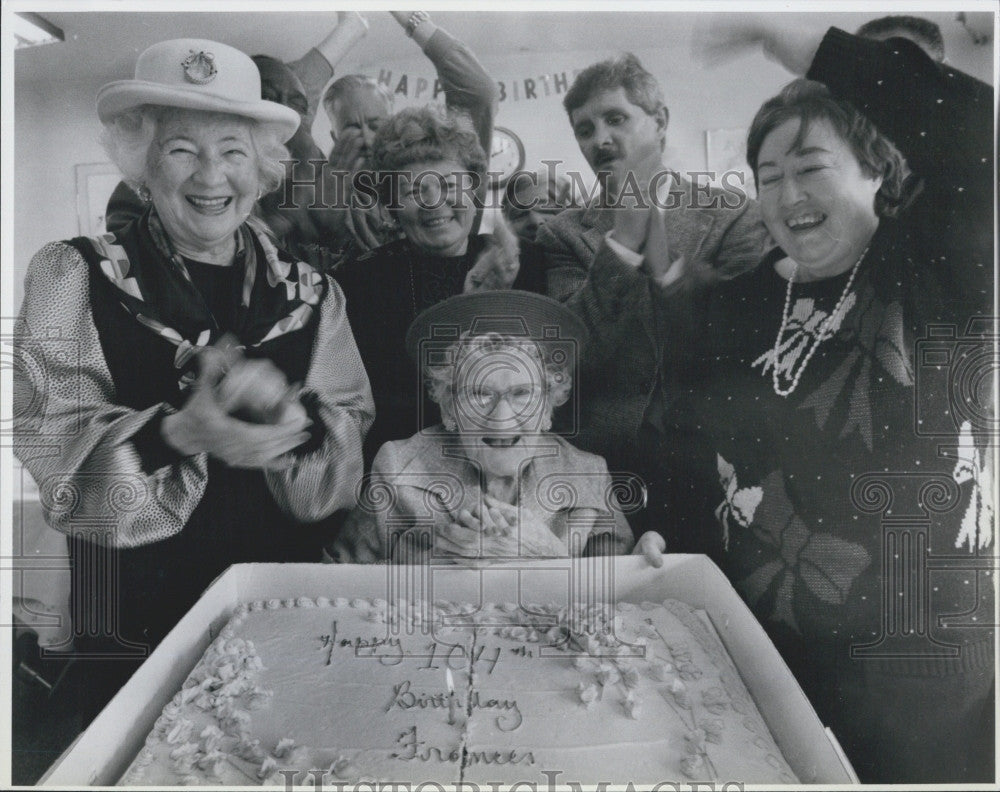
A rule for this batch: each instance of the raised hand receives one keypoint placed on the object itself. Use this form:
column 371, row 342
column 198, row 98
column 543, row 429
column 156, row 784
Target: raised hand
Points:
column 349, row 154
column 719, row 38
column 636, row 212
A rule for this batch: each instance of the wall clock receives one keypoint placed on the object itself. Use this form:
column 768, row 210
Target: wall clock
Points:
column 506, row 156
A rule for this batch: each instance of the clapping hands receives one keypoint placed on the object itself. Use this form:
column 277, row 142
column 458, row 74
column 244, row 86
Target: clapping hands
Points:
column 723, row 37
column 350, row 154
column 240, row 411
column 494, row 529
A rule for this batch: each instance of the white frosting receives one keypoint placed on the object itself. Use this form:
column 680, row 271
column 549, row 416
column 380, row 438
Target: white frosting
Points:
column 350, row 689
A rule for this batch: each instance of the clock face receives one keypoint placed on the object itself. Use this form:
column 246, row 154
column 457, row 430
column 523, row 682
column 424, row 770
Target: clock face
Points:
column 506, row 156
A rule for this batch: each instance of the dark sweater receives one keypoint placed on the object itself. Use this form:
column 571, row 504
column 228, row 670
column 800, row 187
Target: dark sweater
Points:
column 846, row 523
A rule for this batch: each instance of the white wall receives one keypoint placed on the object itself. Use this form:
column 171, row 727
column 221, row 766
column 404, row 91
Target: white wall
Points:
column 55, row 129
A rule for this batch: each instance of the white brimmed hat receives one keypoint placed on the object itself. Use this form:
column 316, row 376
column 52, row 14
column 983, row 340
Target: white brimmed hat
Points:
column 198, row 75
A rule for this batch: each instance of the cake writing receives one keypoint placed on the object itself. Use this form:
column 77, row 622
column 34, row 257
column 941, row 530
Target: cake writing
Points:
column 404, row 698
column 416, row 749
column 460, row 650
column 388, row 650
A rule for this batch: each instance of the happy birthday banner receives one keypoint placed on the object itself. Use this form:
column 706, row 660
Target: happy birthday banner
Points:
column 421, row 88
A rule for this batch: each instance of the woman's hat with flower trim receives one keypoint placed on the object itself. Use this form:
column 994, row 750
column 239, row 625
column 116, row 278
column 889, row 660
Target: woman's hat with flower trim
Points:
column 196, row 74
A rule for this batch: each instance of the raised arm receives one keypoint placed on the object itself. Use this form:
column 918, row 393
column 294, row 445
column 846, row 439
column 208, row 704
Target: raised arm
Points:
column 940, row 119
column 316, row 67
column 612, row 297
column 467, row 86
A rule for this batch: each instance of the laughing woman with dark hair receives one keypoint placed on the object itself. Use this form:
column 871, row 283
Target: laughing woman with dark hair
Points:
column 802, row 375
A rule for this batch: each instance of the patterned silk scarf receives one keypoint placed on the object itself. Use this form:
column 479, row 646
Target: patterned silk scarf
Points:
column 154, row 286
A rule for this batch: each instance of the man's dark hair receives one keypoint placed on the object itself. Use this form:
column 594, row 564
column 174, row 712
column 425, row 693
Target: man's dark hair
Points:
column 920, row 31
column 625, row 71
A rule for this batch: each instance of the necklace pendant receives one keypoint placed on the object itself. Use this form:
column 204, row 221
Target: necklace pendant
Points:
column 823, row 332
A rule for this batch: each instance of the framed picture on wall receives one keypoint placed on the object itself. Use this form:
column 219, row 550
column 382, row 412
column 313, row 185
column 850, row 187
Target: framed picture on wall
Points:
column 726, row 153
column 94, row 184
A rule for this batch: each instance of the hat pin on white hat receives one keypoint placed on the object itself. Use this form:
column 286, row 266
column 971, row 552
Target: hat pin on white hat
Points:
column 196, row 74
column 199, row 67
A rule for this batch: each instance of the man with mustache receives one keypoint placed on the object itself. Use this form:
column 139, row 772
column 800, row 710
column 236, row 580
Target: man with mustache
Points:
column 612, row 264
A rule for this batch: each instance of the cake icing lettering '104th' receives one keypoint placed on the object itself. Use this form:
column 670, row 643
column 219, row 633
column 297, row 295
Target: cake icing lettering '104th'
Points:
column 339, row 691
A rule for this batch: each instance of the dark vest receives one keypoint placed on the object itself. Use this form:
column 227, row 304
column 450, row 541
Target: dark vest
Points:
column 236, row 520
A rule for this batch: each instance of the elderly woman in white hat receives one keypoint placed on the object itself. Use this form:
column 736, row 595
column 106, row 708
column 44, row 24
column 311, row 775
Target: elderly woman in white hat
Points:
column 199, row 394
column 491, row 481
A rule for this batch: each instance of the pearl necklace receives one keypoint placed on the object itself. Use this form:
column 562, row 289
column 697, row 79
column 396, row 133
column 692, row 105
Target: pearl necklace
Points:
column 820, row 336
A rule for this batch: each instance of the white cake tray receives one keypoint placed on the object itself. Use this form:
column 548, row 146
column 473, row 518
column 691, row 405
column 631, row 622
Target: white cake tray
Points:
column 102, row 753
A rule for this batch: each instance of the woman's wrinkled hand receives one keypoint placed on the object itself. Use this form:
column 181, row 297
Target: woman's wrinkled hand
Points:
column 203, row 424
column 483, row 532
column 652, row 546
column 472, row 532
column 500, row 512
column 496, row 530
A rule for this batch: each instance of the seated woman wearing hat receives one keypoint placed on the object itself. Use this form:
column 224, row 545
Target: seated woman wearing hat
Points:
column 198, row 394
column 490, row 481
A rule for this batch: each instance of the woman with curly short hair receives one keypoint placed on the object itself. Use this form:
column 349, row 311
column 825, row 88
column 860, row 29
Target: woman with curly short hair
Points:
column 429, row 164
